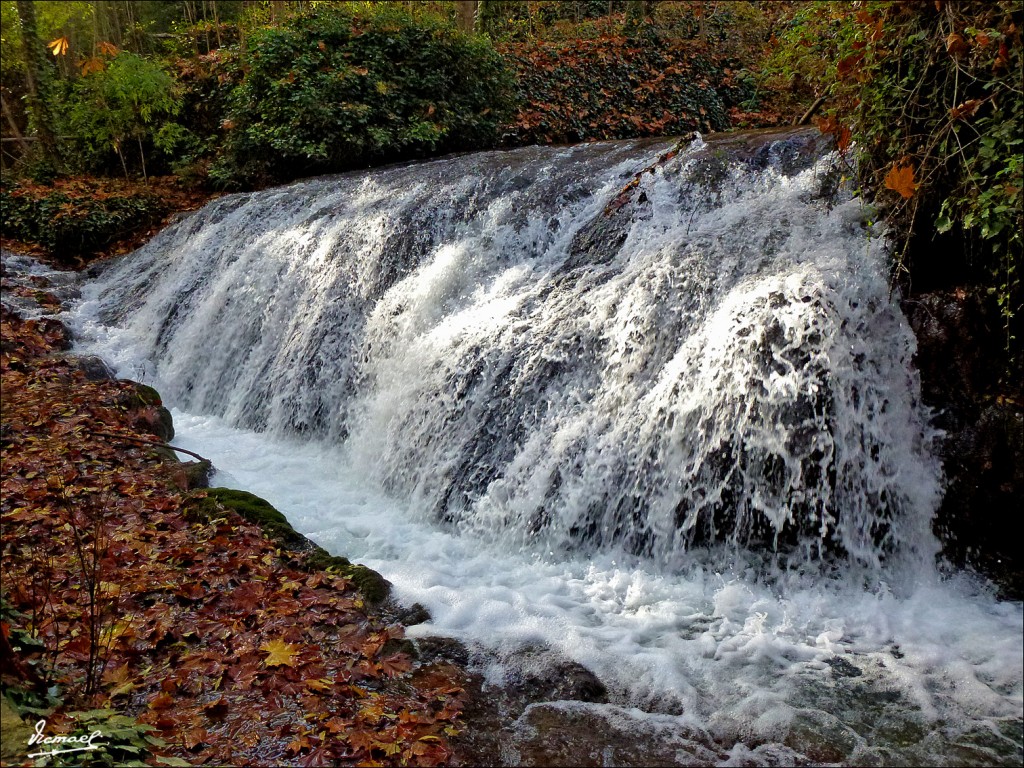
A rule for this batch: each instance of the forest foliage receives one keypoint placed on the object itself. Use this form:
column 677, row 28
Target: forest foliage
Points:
column 929, row 96
column 236, row 95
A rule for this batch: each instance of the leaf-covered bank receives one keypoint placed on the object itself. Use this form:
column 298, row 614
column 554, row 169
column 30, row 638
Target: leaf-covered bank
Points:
column 157, row 614
column 75, row 220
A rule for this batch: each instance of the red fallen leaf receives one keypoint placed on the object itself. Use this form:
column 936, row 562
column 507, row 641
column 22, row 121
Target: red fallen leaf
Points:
column 843, row 138
column 193, row 737
column 317, row 757
column 337, row 725
column 166, row 723
column 161, row 701
column 848, row 64
column 396, row 665
column 362, row 740
column 965, row 110
column 956, row 44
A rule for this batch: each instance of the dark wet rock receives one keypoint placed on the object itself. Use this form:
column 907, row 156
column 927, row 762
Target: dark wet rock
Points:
column 413, row 614
column 978, row 521
column 541, row 675
column 532, row 676
column 94, row 367
column 982, row 449
column 842, row 668
column 197, row 474
column 600, row 735
column 957, row 346
column 442, row 649
column 150, row 414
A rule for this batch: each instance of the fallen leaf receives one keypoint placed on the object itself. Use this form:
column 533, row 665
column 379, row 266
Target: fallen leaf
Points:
column 280, row 653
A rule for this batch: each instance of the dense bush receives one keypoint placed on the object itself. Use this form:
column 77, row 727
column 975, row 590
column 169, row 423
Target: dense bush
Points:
column 332, row 89
column 75, row 218
column 614, row 87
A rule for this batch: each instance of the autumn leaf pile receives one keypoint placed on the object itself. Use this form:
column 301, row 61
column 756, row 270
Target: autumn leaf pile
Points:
column 233, row 650
column 616, row 87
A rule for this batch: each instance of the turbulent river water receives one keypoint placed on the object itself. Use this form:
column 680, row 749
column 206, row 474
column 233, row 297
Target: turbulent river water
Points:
column 664, row 425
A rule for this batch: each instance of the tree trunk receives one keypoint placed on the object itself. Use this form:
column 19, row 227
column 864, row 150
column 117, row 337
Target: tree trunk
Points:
column 14, row 126
column 36, row 76
column 466, row 14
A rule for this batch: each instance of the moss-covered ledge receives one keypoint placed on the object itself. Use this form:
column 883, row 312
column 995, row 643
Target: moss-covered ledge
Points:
column 208, row 504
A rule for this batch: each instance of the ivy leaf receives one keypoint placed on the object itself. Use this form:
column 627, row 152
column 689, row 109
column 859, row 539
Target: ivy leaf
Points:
column 900, row 179
column 280, row 653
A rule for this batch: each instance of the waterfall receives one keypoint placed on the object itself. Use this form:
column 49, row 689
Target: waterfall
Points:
column 524, row 350
column 664, row 424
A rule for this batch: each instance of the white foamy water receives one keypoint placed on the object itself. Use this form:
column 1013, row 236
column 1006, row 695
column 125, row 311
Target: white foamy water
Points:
column 679, row 443
column 734, row 658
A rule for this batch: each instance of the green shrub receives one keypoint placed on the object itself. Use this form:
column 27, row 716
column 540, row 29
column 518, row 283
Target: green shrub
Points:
column 121, row 107
column 333, row 89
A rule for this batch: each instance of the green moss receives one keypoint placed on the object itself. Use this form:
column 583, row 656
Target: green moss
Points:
column 375, row 588
column 258, row 511
column 321, row 560
column 200, row 509
column 165, row 454
column 16, row 734
column 148, row 395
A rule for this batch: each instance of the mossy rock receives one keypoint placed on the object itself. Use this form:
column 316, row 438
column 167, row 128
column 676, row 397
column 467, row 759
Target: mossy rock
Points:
column 166, row 454
column 258, row 511
column 374, row 587
column 143, row 396
column 146, row 394
column 200, row 509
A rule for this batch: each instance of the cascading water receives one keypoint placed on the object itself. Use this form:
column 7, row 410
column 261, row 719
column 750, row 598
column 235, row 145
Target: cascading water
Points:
column 611, row 399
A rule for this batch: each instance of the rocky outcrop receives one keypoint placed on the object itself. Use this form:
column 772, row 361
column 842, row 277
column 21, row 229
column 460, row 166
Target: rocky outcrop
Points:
column 982, row 447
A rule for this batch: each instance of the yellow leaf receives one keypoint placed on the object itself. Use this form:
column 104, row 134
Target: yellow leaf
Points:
column 59, row 46
column 319, row 684
column 900, row 179
column 280, row 653
column 107, row 49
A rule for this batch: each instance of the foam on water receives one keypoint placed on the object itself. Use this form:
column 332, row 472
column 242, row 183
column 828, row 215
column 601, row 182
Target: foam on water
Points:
column 677, row 440
column 931, row 675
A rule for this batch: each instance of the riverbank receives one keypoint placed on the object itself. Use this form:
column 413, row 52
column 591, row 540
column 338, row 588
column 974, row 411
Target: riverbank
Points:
column 143, row 606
